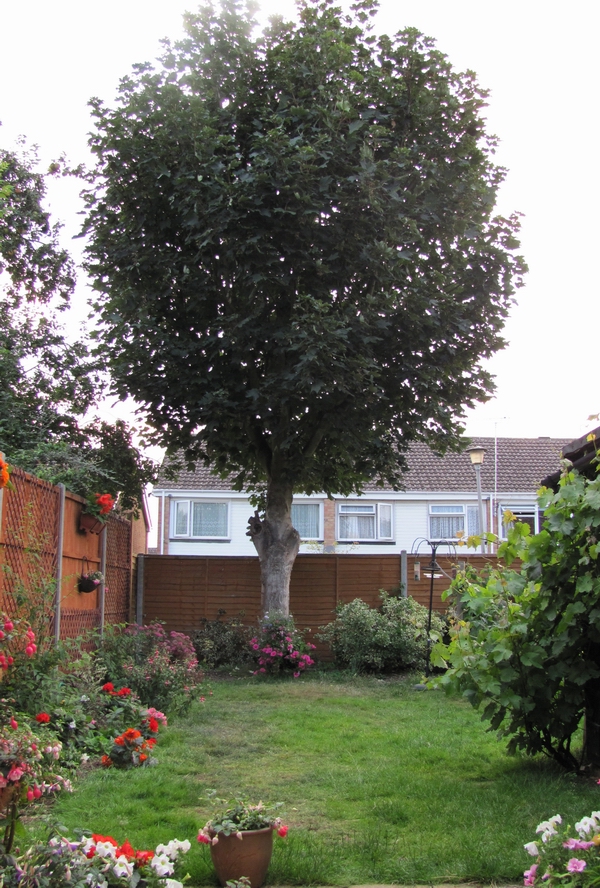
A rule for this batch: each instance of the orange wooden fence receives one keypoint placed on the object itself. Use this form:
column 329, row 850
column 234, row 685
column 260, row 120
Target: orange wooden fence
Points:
column 41, row 545
column 181, row 590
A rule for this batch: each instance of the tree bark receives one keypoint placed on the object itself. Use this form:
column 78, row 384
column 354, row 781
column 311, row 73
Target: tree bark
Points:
column 276, row 542
column 591, row 735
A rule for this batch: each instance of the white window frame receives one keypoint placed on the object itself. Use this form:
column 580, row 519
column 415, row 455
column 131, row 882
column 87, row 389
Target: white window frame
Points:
column 380, row 511
column 320, row 531
column 179, row 505
column 526, row 510
column 469, row 512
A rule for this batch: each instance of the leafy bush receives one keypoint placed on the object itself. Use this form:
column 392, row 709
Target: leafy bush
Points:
column 160, row 668
column 223, row 642
column 280, row 647
column 534, row 662
column 392, row 638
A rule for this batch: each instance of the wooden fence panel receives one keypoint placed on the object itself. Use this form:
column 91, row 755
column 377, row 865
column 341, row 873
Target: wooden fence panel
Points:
column 182, row 590
column 29, row 539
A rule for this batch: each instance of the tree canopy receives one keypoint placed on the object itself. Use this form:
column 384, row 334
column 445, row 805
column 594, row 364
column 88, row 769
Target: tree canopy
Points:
column 292, row 242
column 48, row 383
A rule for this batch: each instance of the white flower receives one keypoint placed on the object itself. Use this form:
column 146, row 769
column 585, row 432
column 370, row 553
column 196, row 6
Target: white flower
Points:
column 585, row 825
column 548, row 827
column 162, row 865
column 532, row 849
column 87, row 844
column 173, row 883
column 174, row 848
column 122, row 866
column 105, row 849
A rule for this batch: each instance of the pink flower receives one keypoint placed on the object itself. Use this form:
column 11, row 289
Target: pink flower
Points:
column 577, row 845
column 14, row 724
column 575, row 865
column 9, row 626
column 529, row 875
column 15, row 773
column 203, row 838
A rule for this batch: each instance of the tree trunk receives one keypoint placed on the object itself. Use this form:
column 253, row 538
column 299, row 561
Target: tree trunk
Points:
column 591, row 736
column 277, row 543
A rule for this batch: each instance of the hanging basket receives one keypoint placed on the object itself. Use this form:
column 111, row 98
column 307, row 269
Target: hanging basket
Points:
column 86, row 585
column 90, row 523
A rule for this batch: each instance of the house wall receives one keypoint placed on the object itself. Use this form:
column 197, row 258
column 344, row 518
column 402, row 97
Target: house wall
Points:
column 410, row 523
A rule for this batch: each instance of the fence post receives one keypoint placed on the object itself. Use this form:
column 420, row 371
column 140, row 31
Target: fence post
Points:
column 59, row 559
column 139, row 591
column 404, row 573
column 103, row 538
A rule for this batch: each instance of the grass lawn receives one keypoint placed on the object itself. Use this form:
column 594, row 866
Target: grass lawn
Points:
column 380, row 784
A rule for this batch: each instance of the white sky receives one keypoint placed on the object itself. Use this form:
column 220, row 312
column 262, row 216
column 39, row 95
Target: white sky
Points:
column 537, row 58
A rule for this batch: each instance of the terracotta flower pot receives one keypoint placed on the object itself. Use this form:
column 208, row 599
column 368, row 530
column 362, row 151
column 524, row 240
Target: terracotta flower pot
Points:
column 91, row 523
column 249, row 856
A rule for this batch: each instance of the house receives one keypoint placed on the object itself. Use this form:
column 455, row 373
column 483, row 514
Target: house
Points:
column 199, row 513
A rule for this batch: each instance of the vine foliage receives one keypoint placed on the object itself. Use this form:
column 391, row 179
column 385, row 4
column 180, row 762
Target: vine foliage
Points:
column 525, row 642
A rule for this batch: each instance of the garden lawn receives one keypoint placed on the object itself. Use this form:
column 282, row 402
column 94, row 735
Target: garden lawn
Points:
column 381, row 783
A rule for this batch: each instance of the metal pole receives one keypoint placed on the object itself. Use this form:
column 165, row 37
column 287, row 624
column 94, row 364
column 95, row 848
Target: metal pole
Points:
column 404, row 573
column 103, row 536
column 432, row 568
column 139, row 591
column 59, row 560
column 480, row 505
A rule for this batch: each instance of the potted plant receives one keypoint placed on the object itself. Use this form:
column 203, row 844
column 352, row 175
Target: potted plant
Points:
column 240, row 837
column 94, row 514
column 90, row 580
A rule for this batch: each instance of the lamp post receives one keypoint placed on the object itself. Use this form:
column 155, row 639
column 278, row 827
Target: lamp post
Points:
column 477, row 454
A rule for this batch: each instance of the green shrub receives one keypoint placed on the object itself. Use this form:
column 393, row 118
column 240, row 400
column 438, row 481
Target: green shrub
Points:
column 223, row 642
column 160, row 667
column 392, row 638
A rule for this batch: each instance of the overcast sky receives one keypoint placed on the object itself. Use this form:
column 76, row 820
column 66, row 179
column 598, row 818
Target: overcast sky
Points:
column 538, row 60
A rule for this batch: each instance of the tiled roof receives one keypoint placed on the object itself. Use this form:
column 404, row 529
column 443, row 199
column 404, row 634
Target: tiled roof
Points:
column 521, row 465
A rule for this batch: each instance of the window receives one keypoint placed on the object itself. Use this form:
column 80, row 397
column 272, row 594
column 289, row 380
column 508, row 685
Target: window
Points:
column 306, row 520
column 361, row 523
column 200, row 520
column 525, row 514
column 448, row 520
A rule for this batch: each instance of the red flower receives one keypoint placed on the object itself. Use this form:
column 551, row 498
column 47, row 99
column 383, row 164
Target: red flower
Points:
column 105, row 501
column 109, row 686
column 43, row 718
column 143, row 857
column 131, row 734
column 124, row 692
column 151, row 741
column 126, row 849
column 109, row 839
column 119, row 741
column 282, row 831
column 106, row 761
column 153, row 724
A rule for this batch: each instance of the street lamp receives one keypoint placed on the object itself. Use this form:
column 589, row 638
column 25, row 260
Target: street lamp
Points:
column 477, row 454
